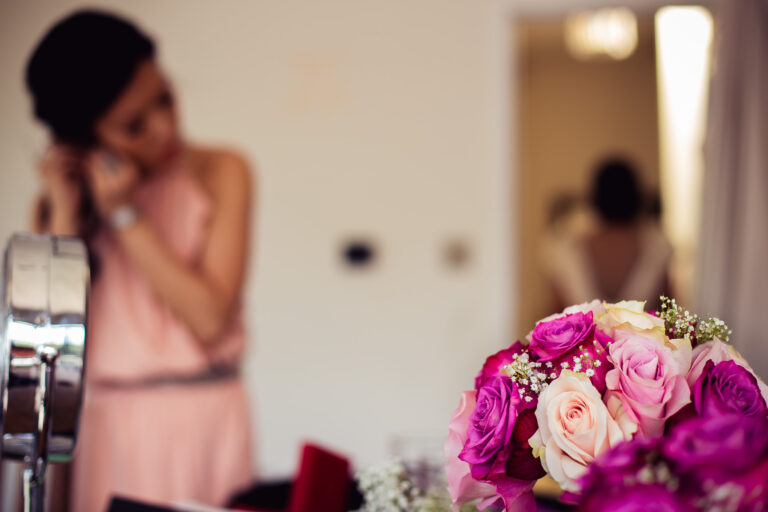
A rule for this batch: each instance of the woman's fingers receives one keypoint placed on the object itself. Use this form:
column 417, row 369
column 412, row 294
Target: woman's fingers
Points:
column 108, row 172
column 60, row 161
column 62, row 177
column 63, row 151
column 112, row 179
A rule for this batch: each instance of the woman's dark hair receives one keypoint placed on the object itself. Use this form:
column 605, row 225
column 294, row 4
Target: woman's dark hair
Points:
column 79, row 68
column 76, row 72
column 616, row 195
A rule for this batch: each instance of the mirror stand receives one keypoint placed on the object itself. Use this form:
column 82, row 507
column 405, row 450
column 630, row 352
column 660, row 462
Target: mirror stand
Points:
column 42, row 353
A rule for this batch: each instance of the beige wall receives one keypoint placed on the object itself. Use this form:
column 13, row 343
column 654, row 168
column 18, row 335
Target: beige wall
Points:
column 572, row 113
column 377, row 117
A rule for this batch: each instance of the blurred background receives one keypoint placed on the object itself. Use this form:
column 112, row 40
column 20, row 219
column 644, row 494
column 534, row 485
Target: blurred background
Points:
column 416, row 161
column 372, row 121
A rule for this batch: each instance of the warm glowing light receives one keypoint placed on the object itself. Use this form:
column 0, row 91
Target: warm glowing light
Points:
column 683, row 41
column 602, row 32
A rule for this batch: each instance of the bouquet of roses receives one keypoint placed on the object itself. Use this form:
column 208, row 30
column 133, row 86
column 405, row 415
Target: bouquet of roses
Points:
column 624, row 409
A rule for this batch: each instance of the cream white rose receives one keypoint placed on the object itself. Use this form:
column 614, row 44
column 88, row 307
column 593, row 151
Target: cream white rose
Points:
column 575, row 427
column 628, row 313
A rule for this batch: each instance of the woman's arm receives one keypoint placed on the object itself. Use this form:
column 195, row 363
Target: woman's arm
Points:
column 205, row 296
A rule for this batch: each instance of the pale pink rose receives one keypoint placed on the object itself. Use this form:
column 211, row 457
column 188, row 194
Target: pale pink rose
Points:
column 575, row 427
column 717, row 351
column 595, row 307
column 628, row 314
column 461, row 486
column 648, row 377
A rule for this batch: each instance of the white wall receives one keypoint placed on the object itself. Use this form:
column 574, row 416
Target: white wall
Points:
column 377, row 117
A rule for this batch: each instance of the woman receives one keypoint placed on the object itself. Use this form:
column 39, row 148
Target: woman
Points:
column 622, row 255
column 167, row 222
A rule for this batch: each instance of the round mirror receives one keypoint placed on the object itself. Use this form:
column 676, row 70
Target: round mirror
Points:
column 42, row 349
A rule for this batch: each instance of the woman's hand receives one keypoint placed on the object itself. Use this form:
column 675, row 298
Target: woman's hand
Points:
column 112, row 181
column 62, row 173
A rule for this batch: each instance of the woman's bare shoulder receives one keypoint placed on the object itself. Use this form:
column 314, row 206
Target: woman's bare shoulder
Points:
column 221, row 171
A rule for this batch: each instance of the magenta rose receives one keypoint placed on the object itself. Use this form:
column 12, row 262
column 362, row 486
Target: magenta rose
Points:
column 718, row 447
column 566, row 339
column 611, row 469
column 688, row 412
column 494, row 364
column 625, row 479
column 718, row 351
column 553, row 338
column 491, row 426
column 728, row 449
column 727, row 387
column 753, row 481
column 648, row 378
column 461, row 486
column 635, row 498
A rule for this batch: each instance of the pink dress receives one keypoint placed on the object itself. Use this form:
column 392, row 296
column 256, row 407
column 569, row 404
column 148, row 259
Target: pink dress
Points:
column 158, row 425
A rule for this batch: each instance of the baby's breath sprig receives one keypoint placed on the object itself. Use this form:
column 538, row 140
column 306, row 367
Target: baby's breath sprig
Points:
column 585, row 363
column 723, row 497
column 680, row 323
column 653, row 472
column 531, row 377
column 711, row 328
column 389, row 488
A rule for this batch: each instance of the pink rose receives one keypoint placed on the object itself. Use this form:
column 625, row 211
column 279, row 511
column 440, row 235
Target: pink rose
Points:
column 575, row 427
column 648, row 378
column 717, row 352
column 461, row 486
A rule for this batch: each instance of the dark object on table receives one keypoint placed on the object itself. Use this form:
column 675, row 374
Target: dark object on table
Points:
column 323, row 484
column 126, row 505
column 264, row 496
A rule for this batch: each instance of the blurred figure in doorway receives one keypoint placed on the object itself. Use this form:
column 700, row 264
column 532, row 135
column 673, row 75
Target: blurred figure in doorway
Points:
column 619, row 252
